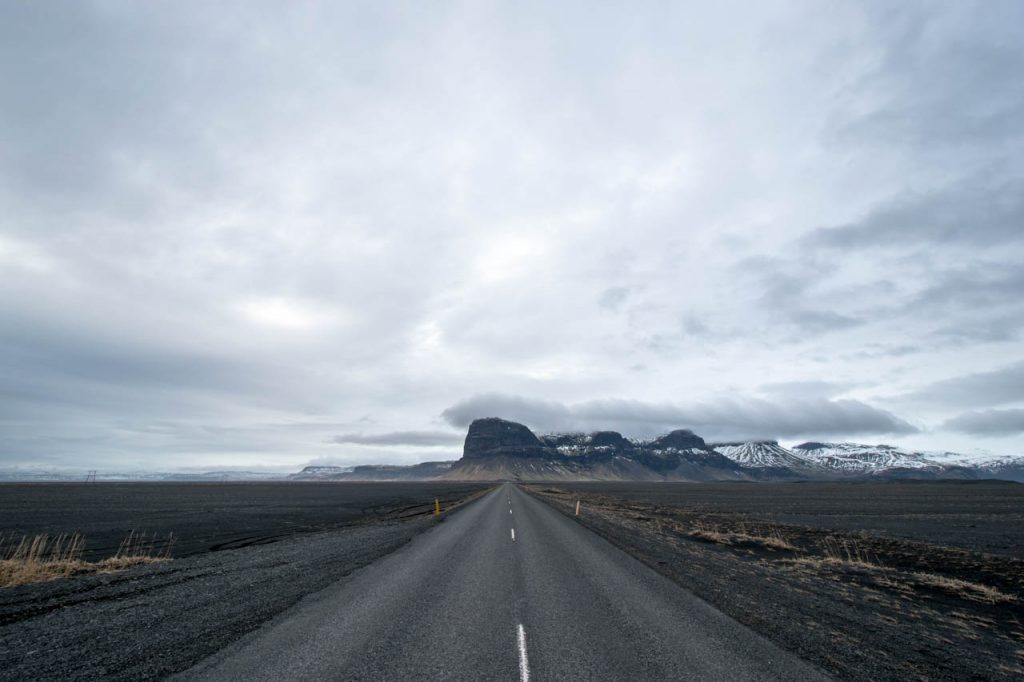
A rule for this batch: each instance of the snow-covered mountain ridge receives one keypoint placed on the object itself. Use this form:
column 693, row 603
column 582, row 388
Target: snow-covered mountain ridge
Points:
column 496, row 448
column 855, row 457
column 871, row 460
column 763, row 454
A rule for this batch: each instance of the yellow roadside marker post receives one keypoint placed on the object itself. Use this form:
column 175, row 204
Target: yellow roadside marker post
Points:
column 437, row 507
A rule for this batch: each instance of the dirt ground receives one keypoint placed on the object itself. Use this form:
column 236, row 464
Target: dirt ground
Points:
column 208, row 517
column 859, row 600
column 151, row 621
column 981, row 516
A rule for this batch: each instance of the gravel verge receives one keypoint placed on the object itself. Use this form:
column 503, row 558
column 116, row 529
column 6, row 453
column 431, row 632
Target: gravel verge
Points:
column 152, row 621
column 860, row 606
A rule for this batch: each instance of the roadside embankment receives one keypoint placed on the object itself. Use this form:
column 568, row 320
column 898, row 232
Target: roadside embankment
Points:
column 154, row 620
column 860, row 605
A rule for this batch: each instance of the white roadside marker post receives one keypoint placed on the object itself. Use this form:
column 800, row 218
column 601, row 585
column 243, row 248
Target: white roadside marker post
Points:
column 577, row 507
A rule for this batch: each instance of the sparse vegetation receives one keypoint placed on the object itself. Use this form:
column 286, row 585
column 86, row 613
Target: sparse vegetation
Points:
column 771, row 540
column 965, row 588
column 847, row 551
column 905, row 582
column 41, row 558
column 841, row 554
column 864, row 597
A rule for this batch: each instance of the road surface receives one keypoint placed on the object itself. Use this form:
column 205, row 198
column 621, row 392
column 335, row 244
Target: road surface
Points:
column 507, row 589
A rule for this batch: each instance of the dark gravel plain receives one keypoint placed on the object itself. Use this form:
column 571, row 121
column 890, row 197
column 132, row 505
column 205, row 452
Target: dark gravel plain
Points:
column 980, row 516
column 869, row 582
column 208, row 517
column 263, row 553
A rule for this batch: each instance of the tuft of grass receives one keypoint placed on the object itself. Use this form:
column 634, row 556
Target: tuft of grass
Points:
column 847, row 552
column 772, row 540
column 843, row 556
column 964, row 588
column 826, row 562
column 41, row 558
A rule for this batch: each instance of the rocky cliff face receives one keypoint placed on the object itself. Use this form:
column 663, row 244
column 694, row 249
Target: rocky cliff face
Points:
column 583, row 445
column 610, row 439
column 496, row 448
column 493, row 437
column 681, row 439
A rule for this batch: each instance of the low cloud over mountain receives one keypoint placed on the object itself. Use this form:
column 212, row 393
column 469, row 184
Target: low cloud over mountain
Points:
column 981, row 389
column 410, row 438
column 722, row 418
column 988, row 423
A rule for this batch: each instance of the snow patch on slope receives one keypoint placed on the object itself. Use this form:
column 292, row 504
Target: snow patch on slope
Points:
column 762, row 455
column 854, row 457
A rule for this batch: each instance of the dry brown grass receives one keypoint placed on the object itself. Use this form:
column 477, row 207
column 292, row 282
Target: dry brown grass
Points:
column 847, row 552
column 40, row 558
column 964, row 588
column 838, row 557
column 842, row 555
column 772, row 540
column 839, row 553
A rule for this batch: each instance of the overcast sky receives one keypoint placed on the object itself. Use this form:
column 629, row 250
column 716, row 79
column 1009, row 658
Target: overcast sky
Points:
column 265, row 234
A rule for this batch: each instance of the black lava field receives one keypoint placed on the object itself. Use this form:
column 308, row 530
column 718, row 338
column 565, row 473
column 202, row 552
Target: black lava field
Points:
column 979, row 516
column 209, row 516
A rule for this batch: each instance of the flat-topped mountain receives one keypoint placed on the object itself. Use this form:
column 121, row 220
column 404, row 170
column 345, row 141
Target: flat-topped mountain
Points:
column 497, row 448
column 493, row 437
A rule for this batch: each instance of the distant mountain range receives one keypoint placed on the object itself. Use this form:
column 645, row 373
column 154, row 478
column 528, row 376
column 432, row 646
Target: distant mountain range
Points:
column 497, row 449
column 500, row 449
column 375, row 472
column 40, row 474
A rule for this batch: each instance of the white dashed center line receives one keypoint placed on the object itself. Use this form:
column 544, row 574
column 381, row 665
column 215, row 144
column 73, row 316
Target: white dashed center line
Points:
column 513, row 534
column 524, row 662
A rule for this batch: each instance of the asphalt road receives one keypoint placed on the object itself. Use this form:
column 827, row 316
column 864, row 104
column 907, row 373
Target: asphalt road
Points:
column 506, row 589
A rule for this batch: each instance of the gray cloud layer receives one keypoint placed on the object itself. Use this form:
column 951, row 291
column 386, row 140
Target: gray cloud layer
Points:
column 231, row 231
column 988, row 423
column 999, row 387
column 976, row 210
column 411, row 438
column 721, row 419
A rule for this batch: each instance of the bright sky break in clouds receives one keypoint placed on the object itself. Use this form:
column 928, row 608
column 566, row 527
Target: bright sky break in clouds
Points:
column 262, row 234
